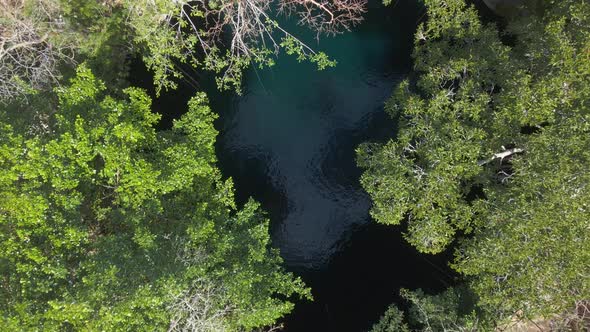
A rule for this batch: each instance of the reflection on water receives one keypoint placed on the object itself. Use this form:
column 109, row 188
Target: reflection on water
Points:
column 299, row 127
column 289, row 142
column 300, row 144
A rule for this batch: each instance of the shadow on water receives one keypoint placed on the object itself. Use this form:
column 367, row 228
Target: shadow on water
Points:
column 293, row 133
column 289, row 142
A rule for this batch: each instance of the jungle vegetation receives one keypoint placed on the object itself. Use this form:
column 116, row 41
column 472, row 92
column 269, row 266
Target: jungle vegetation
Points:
column 109, row 224
column 491, row 160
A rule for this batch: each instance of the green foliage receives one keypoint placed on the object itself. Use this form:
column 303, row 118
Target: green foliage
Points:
column 42, row 40
column 106, row 224
column 493, row 142
column 170, row 34
column 293, row 46
column 391, row 321
column 431, row 167
column 47, row 37
column 451, row 310
column 101, row 37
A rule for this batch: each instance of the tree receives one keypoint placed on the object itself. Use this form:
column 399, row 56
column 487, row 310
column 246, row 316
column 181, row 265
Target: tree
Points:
column 106, row 224
column 450, row 311
column 391, row 321
column 427, row 172
column 30, row 53
column 227, row 36
column 492, row 142
column 41, row 41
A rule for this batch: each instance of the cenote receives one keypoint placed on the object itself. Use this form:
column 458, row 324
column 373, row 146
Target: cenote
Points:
column 289, row 142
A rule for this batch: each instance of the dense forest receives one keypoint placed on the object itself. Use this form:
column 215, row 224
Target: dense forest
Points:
column 111, row 222
column 492, row 157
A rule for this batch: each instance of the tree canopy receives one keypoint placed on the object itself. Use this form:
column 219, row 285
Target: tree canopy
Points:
column 106, row 224
column 224, row 37
column 109, row 224
column 492, row 153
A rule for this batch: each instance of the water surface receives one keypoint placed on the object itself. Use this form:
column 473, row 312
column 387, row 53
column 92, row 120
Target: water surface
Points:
column 294, row 130
column 289, row 142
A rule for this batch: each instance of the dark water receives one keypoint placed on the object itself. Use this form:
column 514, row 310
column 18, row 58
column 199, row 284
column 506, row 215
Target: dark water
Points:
column 289, row 142
column 290, row 139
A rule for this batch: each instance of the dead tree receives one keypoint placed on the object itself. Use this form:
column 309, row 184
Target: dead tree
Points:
column 199, row 309
column 28, row 57
column 326, row 16
column 246, row 29
column 250, row 22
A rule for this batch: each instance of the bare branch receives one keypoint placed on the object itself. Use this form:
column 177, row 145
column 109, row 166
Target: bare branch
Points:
column 28, row 59
column 245, row 29
column 500, row 155
column 326, row 16
column 199, row 308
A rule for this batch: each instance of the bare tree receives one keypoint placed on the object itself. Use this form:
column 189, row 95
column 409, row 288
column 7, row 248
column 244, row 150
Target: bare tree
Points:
column 325, row 16
column 224, row 36
column 199, row 309
column 201, row 306
column 29, row 56
column 250, row 22
column 245, row 28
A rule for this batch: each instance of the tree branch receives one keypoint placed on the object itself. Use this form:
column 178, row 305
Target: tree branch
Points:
column 500, row 155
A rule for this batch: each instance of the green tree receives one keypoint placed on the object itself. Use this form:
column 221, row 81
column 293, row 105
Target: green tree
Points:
column 493, row 142
column 225, row 37
column 449, row 311
column 42, row 38
column 391, row 321
column 106, row 224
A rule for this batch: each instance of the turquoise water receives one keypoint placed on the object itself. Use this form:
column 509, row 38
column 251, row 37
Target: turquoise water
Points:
column 289, row 142
column 299, row 123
